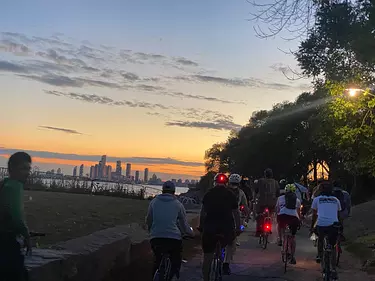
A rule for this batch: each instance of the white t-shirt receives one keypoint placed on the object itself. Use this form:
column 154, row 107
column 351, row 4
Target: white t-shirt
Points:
column 327, row 208
column 282, row 210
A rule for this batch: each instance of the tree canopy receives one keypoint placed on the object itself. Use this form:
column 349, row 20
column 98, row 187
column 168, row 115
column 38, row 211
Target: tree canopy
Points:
column 329, row 125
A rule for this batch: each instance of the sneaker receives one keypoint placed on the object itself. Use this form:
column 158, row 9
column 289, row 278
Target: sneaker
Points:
column 226, row 269
column 293, row 260
column 238, row 243
column 317, row 259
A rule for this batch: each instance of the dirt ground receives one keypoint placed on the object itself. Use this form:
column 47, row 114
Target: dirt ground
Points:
column 64, row 216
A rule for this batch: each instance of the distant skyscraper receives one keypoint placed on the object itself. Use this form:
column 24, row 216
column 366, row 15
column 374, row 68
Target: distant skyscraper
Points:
column 128, row 170
column 136, row 176
column 92, row 172
column 104, row 160
column 109, row 172
column 81, row 170
column 145, row 178
column 75, row 171
column 118, row 168
column 96, row 171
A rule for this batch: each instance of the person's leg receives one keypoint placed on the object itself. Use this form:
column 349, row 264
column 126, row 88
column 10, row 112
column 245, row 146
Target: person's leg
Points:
column 294, row 223
column 320, row 231
column 157, row 248
column 280, row 232
column 259, row 220
column 208, row 247
column 12, row 261
column 332, row 238
column 175, row 250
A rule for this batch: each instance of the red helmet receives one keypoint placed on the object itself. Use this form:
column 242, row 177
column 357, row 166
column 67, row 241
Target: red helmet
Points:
column 221, row 179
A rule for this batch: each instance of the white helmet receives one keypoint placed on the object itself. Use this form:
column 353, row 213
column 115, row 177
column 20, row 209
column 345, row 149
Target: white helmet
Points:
column 235, row 178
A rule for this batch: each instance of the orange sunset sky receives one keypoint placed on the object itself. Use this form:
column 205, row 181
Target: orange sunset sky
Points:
column 99, row 79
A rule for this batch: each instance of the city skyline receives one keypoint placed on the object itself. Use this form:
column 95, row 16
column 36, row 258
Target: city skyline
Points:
column 155, row 96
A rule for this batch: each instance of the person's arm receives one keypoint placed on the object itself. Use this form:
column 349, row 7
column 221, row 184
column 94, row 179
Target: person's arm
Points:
column 314, row 208
column 277, row 207
column 338, row 208
column 182, row 219
column 235, row 211
column 149, row 217
column 13, row 199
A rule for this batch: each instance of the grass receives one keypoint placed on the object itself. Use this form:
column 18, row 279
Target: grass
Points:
column 359, row 230
column 64, row 216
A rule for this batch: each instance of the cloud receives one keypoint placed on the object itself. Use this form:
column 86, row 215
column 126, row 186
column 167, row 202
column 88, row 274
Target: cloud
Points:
column 199, row 97
column 92, row 98
column 130, row 76
column 217, row 125
column 95, row 158
column 280, row 67
column 12, row 67
column 13, row 47
column 186, row 62
column 68, row 131
column 56, row 80
column 234, row 82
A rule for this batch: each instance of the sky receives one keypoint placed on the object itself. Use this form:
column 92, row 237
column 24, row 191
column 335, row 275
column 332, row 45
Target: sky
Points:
column 153, row 83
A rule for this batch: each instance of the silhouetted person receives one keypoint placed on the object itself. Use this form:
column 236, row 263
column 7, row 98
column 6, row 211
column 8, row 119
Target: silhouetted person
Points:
column 12, row 224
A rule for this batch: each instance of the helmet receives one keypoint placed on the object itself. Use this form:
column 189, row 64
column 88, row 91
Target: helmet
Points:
column 169, row 186
column 235, row 178
column 220, row 179
column 290, row 187
column 268, row 173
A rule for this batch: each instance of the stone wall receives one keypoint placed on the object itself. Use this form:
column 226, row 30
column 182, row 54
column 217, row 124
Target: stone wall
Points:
column 101, row 256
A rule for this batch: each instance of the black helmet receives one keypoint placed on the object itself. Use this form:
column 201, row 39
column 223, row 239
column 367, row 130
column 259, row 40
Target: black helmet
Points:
column 169, row 186
column 268, row 173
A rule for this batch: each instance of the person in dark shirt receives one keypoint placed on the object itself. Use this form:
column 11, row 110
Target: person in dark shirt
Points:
column 12, row 221
column 219, row 216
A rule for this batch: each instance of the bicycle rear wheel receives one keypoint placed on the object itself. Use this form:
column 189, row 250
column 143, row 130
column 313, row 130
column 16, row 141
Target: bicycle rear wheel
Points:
column 164, row 271
column 286, row 253
column 264, row 240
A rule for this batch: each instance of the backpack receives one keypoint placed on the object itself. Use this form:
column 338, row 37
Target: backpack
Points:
column 290, row 200
column 340, row 195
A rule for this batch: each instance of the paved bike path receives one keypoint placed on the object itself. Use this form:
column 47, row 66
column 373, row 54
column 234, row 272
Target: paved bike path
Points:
column 251, row 263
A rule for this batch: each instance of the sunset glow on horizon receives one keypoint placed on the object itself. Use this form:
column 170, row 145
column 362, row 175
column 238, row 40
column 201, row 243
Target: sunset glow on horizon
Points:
column 99, row 79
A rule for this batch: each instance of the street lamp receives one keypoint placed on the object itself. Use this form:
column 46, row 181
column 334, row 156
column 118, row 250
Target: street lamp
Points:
column 355, row 91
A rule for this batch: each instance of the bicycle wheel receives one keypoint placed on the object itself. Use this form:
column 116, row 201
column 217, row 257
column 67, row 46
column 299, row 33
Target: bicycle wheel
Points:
column 164, row 271
column 265, row 240
column 286, row 252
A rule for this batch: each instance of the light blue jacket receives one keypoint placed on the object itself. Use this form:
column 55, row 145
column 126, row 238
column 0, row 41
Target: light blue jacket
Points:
column 166, row 218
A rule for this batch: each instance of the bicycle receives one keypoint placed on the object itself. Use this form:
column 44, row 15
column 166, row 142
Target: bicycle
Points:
column 266, row 229
column 286, row 251
column 327, row 257
column 338, row 248
column 163, row 273
column 216, row 267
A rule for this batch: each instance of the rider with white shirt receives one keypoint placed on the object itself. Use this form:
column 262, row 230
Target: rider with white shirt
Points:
column 326, row 208
column 288, row 208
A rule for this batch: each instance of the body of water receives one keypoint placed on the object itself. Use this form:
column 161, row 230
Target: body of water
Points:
column 150, row 190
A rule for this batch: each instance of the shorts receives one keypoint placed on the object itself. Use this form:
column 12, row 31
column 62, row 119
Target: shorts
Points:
column 331, row 232
column 209, row 240
column 284, row 220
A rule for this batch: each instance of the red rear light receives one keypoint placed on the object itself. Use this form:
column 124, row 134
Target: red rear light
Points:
column 221, row 178
column 242, row 207
column 267, row 227
column 266, row 210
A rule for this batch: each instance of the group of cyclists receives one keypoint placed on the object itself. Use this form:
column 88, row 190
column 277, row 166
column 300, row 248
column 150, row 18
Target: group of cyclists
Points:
column 220, row 214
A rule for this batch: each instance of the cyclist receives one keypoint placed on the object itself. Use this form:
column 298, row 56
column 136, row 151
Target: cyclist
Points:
column 267, row 191
column 167, row 222
column 346, row 204
column 288, row 208
column 326, row 208
column 234, row 182
column 12, row 218
column 219, row 216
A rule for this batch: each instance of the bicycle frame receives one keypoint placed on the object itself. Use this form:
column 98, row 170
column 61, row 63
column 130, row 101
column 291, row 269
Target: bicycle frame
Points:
column 326, row 264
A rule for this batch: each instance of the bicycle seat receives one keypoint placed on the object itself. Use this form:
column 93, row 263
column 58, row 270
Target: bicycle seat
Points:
column 337, row 225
